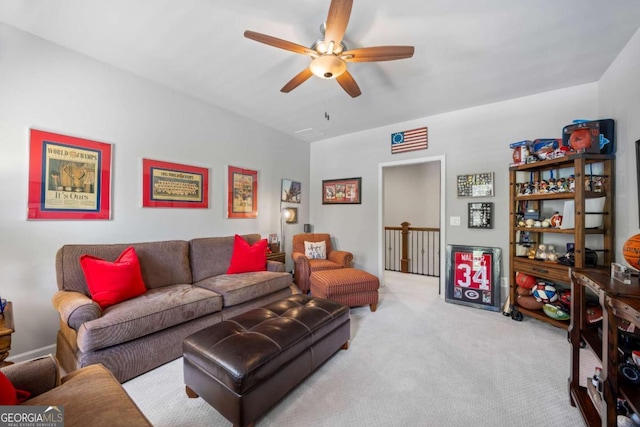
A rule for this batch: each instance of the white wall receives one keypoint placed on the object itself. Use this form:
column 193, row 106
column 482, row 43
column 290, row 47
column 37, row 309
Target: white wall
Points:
column 472, row 140
column 405, row 189
column 619, row 98
column 51, row 88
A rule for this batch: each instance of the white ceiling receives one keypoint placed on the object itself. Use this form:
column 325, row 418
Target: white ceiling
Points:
column 467, row 52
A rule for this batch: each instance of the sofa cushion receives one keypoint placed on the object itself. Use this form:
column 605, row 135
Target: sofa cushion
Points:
column 211, row 256
column 9, row 395
column 243, row 287
column 113, row 282
column 161, row 263
column 153, row 311
column 247, row 258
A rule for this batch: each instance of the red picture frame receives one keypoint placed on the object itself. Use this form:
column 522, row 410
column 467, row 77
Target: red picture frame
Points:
column 174, row 185
column 69, row 177
column 242, row 193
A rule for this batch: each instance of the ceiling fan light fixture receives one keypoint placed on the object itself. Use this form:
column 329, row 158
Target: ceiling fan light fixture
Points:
column 328, row 66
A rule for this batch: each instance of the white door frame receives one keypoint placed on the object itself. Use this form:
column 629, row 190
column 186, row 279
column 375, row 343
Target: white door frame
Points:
column 381, row 248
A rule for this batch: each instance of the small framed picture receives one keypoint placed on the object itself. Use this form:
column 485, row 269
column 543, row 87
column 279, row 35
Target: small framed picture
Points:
column 291, row 191
column 342, row 191
column 242, row 193
column 480, row 215
column 475, row 185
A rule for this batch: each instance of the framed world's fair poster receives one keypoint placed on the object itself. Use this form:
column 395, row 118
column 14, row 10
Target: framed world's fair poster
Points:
column 473, row 276
column 69, row 177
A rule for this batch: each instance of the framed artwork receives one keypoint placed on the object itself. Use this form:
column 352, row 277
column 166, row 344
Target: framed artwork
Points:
column 475, row 185
column 242, row 193
column 291, row 191
column 69, row 177
column 473, row 276
column 172, row 185
column 342, row 191
column 480, row 215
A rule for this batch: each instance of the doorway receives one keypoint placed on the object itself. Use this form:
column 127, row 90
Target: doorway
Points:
column 419, row 208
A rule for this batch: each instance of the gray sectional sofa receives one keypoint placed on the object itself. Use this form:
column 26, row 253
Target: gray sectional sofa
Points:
column 187, row 290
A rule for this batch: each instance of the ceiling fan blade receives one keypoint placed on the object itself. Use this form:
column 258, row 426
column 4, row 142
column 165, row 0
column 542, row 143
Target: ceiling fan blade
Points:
column 337, row 21
column 378, row 53
column 282, row 44
column 348, row 84
column 300, row 78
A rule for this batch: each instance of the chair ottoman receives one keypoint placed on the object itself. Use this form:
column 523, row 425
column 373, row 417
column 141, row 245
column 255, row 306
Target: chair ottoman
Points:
column 348, row 286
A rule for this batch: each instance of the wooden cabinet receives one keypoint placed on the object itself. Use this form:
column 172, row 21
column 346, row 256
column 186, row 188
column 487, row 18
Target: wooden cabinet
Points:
column 592, row 177
column 618, row 301
column 277, row 256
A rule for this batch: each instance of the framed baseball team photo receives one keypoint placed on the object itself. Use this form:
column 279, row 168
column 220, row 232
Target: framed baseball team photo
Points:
column 172, row 185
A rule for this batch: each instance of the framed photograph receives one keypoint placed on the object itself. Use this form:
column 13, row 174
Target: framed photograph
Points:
column 69, row 177
column 172, row 185
column 480, row 215
column 473, row 276
column 342, row 191
column 242, row 193
column 291, row 191
column 475, row 185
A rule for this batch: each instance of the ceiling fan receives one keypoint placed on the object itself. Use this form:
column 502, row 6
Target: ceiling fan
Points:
column 329, row 56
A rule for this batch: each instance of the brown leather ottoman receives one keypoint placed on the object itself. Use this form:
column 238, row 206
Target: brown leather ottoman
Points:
column 244, row 365
column 348, row 286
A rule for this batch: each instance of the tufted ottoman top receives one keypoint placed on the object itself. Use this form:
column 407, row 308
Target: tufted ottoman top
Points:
column 242, row 351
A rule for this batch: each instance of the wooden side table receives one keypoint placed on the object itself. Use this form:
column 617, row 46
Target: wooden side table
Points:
column 277, row 256
column 6, row 329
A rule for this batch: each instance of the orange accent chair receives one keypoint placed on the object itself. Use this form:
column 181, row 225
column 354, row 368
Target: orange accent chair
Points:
column 303, row 266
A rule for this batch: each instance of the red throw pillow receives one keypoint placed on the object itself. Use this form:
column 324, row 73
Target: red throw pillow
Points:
column 247, row 258
column 113, row 282
column 8, row 393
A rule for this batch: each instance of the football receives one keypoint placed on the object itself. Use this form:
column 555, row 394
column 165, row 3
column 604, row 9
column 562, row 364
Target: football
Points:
column 545, row 292
column 523, row 292
column 525, row 281
column 529, row 302
column 555, row 311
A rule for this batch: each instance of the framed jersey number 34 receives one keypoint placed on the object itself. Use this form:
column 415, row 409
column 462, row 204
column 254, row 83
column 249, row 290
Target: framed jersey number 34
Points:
column 473, row 276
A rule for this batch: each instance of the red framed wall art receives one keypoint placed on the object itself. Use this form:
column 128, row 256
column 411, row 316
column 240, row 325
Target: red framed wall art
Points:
column 69, row 177
column 173, row 185
column 242, row 193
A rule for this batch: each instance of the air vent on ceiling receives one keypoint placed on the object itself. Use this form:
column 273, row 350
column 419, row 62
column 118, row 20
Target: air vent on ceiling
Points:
column 308, row 134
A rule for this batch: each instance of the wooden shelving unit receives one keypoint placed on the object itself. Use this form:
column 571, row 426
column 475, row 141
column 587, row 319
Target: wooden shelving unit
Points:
column 618, row 301
column 576, row 165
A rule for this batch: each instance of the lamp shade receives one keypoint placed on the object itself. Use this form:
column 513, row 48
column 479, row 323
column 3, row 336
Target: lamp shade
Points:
column 328, row 66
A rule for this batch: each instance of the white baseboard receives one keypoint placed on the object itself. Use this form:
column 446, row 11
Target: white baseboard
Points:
column 33, row 354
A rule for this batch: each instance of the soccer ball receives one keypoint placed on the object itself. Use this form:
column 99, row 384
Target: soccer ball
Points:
column 545, row 292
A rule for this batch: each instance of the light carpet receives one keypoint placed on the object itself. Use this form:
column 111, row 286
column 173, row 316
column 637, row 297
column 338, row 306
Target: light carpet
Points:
column 416, row 361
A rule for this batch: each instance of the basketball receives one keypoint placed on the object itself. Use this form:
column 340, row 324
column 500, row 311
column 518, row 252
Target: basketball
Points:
column 525, row 281
column 631, row 251
column 545, row 292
